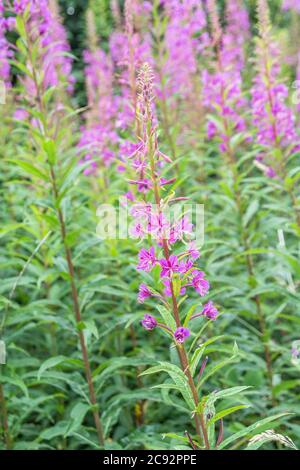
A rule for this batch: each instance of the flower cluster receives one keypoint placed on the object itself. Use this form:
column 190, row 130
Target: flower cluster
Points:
column 237, row 32
column 177, row 266
column 45, row 25
column 291, row 5
column 98, row 137
column 272, row 117
column 6, row 24
column 129, row 50
column 185, row 39
column 222, row 89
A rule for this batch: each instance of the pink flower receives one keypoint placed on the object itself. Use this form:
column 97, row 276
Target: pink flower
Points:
column 270, row 172
column 158, row 225
column 149, row 322
column 143, row 185
column 210, row 311
column 181, row 334
column 137, row 231
column 141, row 210
column 193, row 252
column 200, row 284
column 182, row 227
column 185, row 266
column 147, row 259
column 169, row 266
column 144, row 293
column 21, row 114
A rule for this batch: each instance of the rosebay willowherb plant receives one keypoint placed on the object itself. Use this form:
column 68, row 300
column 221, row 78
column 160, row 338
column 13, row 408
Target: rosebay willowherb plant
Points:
column 45, row 111
column 176, row 262
column 177, row 272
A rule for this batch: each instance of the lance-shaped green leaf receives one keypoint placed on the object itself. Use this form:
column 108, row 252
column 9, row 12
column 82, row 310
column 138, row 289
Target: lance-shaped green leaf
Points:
column 251, row 430
column 178, row 377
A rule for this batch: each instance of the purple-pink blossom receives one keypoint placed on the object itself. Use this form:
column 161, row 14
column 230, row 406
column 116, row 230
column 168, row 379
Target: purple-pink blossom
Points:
column 5, row 50
column 181, row 334
column 200, row 284
column 291, row 5
column 169, row 266
column 147, row 259
column 273, row 118
column 210, row 311
column 222, row 87
column 144, row 293
column 44, row 25
column 149, row 322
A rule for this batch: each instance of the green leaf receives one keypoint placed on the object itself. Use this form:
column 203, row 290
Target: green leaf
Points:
column 178, row 377
column 199, row 353
column 220, row 365
column 167, row 317
column 53, row 362
column 50, row 149
column 57, row 430
column 77, row 415
column 31, row 169
column 20, row 26
column 251, row 211
column 17, row 382
column 223, row 413
column 253, row 428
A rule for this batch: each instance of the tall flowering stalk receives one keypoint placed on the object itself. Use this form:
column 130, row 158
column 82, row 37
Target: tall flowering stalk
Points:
column 237, row 32
column 184, row 41
column 45, row 24
column 98, row 137
column 6, row 24
column 178, row 272
column 229, row 122
column 129, row 49
column 222, row 87
column 273, row 118
column 181, row 42
column 47, row 168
